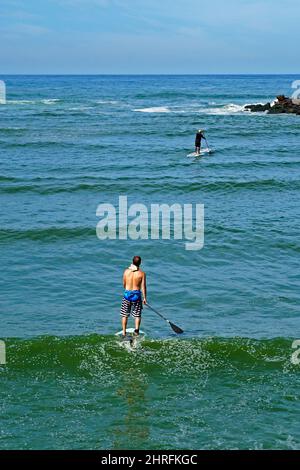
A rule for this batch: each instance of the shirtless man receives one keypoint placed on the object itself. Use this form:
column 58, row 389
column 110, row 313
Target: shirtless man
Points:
column 134, row 283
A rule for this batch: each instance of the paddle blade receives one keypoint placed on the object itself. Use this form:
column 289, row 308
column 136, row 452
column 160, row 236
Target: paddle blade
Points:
column 175, row 328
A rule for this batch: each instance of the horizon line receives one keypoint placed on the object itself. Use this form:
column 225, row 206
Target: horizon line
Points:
column 149, row 74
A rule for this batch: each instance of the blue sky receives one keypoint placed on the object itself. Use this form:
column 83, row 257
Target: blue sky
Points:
column 149, row 36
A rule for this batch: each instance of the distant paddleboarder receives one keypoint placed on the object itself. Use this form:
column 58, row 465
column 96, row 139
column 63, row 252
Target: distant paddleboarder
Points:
column 198, row 139
column 135, row 295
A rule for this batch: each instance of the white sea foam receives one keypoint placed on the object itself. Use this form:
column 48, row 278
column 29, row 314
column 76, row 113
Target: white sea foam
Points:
column 50, row 101
column 80, row 109
column 158, row 109
column 107, row 102
column 21, row 102
column 223, row 110
column 211, row 109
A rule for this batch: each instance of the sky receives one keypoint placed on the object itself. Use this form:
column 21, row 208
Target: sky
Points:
column 149, row 36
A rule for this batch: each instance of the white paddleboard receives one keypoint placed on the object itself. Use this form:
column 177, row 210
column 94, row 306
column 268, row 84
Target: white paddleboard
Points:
column 129, row 332
column 130, row 341
column 206, row 151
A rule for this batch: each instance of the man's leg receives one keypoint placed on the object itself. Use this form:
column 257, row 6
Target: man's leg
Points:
column 124, row 325
column 125, row 311
column 137, row 314
column 137, row 322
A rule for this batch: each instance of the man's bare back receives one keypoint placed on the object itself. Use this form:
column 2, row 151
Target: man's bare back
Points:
column 135, row 295
column 134, row 280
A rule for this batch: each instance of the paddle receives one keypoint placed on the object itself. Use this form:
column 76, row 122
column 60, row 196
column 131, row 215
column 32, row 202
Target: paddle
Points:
column 206, row 143
column 175, row 328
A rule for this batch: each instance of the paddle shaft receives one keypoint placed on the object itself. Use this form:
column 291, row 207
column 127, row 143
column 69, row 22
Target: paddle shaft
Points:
column 174, row 327
column 161, row 316
column 206, row 142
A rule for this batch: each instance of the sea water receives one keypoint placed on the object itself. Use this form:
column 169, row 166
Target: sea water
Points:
column 70, row 143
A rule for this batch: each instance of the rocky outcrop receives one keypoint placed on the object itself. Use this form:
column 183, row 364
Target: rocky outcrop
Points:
column 281, row 105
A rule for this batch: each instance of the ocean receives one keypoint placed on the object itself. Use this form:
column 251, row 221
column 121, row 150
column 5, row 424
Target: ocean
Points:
column 70, row 143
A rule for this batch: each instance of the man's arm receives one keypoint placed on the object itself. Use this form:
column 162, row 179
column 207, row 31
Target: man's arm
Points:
column 124, row 279
column 144, row 288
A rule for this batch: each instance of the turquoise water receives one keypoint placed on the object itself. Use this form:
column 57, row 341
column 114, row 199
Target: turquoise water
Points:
column 70, row 143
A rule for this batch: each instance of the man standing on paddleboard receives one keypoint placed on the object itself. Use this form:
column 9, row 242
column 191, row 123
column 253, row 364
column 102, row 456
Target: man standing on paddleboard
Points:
column 134, row 283
column 199, row 137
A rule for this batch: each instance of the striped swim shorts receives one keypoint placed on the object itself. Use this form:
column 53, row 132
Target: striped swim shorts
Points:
column 133, row 306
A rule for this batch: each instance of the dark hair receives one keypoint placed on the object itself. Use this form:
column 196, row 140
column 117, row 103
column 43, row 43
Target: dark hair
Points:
column 137, row 261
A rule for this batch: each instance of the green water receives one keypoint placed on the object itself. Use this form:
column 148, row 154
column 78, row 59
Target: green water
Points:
column 91, row 392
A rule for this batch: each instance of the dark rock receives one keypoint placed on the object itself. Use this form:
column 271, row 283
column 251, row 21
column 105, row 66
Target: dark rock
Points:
column 283, row 105
column 258, row 108
column 282, row 99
